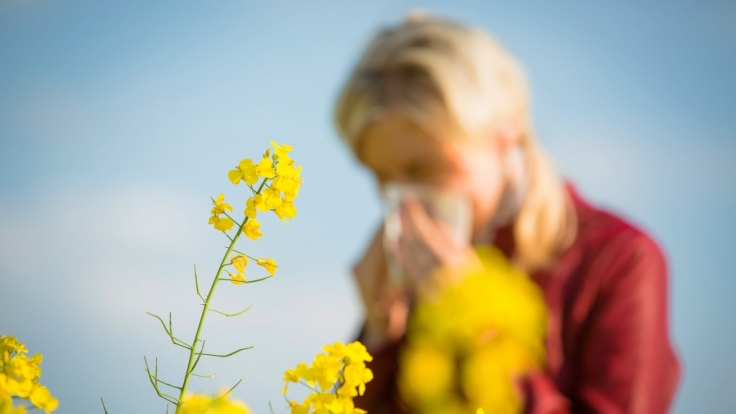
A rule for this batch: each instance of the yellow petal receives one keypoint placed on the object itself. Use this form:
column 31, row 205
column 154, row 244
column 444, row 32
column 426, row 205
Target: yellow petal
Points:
column 224, row 224
column 252, row 229
column 234, row 176
column 268, row 264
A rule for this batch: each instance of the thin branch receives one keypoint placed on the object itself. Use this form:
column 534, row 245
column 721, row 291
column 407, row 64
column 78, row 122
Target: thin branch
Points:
column 204, row 376
column 270, row 407
column 196, row 284
column 103, row 405
column 226, row 355
column 248, row 281
column 229, row 315
column 231, row 389
column 198, row 358
column 154, row 382
column 176, row 341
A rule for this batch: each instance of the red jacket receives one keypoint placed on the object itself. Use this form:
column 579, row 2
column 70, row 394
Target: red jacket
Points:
column 608, row 345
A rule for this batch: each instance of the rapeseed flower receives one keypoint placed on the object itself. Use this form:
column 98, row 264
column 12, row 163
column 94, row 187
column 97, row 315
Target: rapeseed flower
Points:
column 202, row 404
column 335, row 376
column 268, row 264
column 239, row 261
column 464, row 345
column 245, row 171
column 19, row 379
column 252, row 229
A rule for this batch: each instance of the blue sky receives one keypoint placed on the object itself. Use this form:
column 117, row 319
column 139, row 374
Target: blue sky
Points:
column 119, row 120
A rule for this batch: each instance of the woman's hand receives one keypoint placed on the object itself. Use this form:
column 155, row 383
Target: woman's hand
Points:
column 386, row 307
column 426, row 245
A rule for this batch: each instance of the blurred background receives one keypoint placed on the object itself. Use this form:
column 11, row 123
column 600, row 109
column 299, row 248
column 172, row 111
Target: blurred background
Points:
column 118, row 121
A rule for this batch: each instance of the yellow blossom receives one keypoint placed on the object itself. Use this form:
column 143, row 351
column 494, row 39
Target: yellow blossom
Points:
column 19, row 378
column 222, row 224
column 42, row 399
column 252, row 229
column 245, row 171
column 285, row 211
column 221, row 206
column 250, row 208
column 239, row 262
column 237, row 278
column 271, row 198
column 264, row 168
column 202, row 404
column 282, row 151
column 268, row 264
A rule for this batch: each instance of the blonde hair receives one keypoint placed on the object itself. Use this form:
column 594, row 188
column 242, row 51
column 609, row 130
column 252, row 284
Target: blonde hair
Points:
column 457, row 81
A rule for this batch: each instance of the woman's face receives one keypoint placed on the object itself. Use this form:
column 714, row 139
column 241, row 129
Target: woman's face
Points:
column 397, row 150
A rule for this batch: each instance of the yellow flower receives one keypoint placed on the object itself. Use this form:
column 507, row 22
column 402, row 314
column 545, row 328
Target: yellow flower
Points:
column 246, row 171
column 221, row 206
column 237, row 278
column 252, row 229
column 250, row 208
column 285, row 211
column 297, row 408
column 282, row 151
column 268, row 264
column 265, row 168
column 202, row 404
column 42, row 399
column 239, row 261
column 222, row 224
column 480, row 411
column 271, row 198
column 19, row 378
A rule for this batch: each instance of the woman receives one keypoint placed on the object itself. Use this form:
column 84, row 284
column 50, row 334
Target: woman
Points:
column 438, row 103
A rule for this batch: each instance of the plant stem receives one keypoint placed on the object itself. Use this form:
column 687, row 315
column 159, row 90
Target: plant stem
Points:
column 206, row 307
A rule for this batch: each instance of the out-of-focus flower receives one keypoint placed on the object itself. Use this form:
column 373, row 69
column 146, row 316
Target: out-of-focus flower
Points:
column 464, row 346
column 19, row 378
column 203, row 404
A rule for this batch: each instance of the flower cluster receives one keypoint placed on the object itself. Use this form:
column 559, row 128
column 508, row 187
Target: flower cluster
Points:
column 281, row 180
column 465, row 346
column 19, row 379
column 334, row 377
column 203, row 404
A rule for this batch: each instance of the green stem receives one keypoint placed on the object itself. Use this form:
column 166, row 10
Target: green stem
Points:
column 205, row 309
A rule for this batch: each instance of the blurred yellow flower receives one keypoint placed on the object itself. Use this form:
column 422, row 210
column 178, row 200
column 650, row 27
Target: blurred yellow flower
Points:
column 464, row 345
column 19, row 378
column 268, row 264
column 203, row 404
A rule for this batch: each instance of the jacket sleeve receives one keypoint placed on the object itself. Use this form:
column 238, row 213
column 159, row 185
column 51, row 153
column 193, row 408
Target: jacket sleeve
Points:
column 626, row 362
